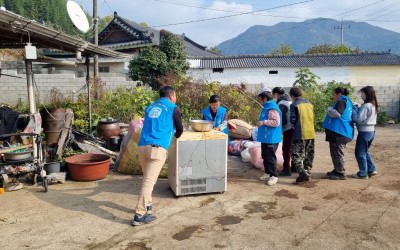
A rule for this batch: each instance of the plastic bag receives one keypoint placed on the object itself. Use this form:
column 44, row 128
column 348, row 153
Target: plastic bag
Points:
column 256, row 158
column 235, row 147
column 245, row 155
column 254, row 133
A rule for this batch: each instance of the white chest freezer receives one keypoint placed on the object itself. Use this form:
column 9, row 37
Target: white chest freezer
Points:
column 197, row 163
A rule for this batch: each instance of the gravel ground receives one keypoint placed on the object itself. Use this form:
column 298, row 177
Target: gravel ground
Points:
column 320, row 214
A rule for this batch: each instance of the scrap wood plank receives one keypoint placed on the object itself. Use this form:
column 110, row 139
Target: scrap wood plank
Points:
column 69, row 116
column 109, row 152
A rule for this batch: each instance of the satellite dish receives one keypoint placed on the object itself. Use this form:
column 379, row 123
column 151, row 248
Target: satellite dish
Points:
column 77, row 16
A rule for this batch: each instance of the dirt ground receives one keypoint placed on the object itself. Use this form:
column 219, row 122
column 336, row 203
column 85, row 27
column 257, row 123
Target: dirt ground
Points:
column 320, row 214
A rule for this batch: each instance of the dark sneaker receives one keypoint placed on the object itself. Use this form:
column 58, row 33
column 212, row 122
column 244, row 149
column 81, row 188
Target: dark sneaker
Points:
column 144, row 219
column 149, row 208
column 373, row 173
column 293, row 169
column 302, row 178
column 359, row 177
column 333, row 172
column 285, row 172
column 337, row 176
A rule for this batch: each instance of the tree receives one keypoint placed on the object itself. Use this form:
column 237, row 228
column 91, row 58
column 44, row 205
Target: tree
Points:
column 144, row 24
column 329, row 49
column 306, row 79
column 320, row 49
column 104, row 21
column 215, row 50
column 154, row 63
column 175, row 51
column 341, row 49
column 283, row 49
column 149, row 66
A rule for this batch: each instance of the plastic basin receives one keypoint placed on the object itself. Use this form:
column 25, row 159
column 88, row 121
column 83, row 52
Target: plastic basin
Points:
column 88, row 167
column 52, row 167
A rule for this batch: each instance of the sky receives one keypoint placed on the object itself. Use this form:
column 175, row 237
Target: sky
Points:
column 210, row 22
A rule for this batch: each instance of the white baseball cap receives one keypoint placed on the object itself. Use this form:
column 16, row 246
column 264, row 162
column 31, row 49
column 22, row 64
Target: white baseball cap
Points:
column 264, row 89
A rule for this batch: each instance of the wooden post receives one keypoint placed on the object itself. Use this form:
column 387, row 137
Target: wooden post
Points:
column 69, row 116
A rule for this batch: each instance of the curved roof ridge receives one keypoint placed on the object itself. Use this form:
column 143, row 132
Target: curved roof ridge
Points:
column 291, row 55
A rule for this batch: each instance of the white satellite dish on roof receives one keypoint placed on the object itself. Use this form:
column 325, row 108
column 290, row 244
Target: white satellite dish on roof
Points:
column 77, row 16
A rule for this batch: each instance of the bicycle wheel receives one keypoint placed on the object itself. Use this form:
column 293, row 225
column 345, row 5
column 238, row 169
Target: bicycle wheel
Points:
column 45, row 185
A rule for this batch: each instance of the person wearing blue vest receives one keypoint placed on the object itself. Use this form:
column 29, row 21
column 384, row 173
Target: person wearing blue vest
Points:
column 339, row 130
column 269, row 134
column 219, row 115
column 161, row 117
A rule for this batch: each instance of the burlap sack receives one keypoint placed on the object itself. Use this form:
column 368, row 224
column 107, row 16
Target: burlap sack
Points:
column 128, row 160
column 239, row 129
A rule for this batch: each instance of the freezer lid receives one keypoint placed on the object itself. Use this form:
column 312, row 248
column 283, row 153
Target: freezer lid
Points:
column 211, row 135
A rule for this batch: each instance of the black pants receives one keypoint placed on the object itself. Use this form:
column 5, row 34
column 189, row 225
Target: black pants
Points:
column 337, row 155
column 268, row 154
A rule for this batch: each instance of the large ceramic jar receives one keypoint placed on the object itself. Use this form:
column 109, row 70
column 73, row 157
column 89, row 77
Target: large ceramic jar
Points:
column 107, row 128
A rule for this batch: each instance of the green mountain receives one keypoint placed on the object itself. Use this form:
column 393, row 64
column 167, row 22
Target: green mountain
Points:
column 301, row 36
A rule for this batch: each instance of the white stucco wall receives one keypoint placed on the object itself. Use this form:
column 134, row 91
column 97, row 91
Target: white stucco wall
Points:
column 385, row 79
column 285, row 77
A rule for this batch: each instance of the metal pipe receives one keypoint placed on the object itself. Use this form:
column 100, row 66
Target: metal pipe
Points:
column 88, row 89
column 31, row 97
column 96, row 41
column 32, row 106
column 56, row 62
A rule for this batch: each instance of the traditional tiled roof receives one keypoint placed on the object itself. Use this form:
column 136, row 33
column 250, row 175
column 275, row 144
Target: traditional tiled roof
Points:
column 134, row 35
column 194, row 49
column 316, row 60
column 146, row 36
column 127, row 45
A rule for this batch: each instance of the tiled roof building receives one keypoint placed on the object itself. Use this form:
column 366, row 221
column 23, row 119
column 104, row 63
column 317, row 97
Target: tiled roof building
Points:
column 123, row 35
column 316, row 60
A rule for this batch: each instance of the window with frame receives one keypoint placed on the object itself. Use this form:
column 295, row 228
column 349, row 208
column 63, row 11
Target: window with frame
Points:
column 104, row 69
column 218, row 70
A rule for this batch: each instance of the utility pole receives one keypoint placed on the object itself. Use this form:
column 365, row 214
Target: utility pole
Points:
column 341, row 30
column 96, row 40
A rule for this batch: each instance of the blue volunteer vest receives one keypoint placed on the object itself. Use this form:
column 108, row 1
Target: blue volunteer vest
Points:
column 344, row 124
column 158, row 127
column 219, row 117
column 269, row 134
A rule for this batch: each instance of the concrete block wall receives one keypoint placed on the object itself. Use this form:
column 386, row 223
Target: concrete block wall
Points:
column 15, row 89
column 388, row 97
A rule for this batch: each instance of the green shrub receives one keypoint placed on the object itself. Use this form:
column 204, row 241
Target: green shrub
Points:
column 193, row 97
column 124, row 103
column 382, row 117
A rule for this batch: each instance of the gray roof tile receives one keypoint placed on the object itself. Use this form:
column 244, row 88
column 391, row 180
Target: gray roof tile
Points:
column 317, row 60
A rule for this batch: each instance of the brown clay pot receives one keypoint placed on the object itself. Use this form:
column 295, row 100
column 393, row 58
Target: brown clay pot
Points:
column 53, row 124
column 107, row 128
column 114, row 143
column 88, row 167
